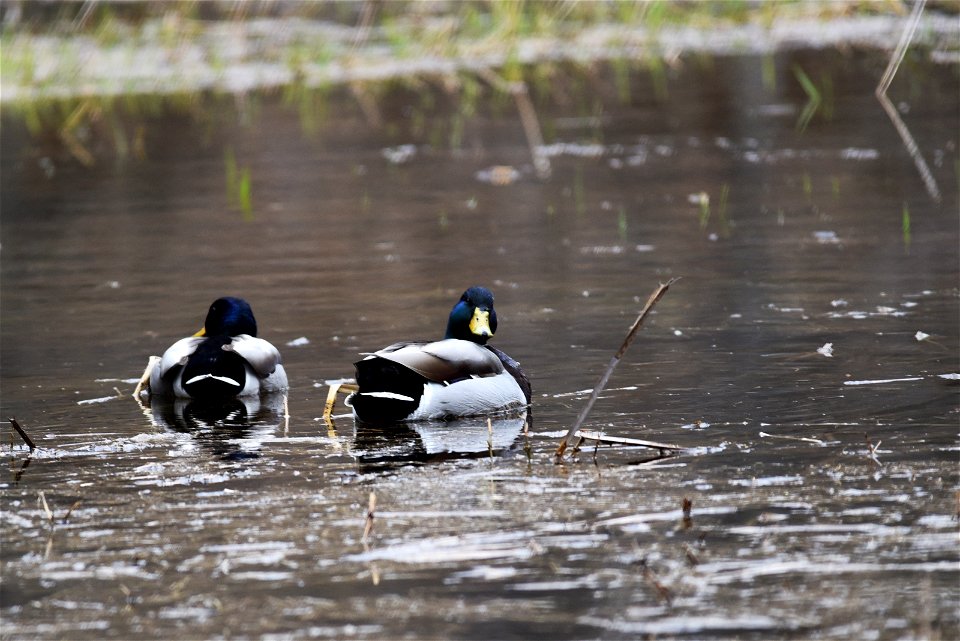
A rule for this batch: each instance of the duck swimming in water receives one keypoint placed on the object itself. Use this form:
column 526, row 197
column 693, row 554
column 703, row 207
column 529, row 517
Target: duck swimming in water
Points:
column 455, row 377
column 222, row 360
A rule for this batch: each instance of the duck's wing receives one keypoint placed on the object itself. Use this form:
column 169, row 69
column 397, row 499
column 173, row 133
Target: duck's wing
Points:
column 177, row 354
column 444, row 361
column 262, row 356
column 513, row 367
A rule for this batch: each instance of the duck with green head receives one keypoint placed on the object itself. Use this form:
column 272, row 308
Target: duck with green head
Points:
column 455, row 377
column 224, row 359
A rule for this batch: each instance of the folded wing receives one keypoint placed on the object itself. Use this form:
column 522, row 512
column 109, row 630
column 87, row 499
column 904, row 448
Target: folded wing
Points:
column 443, row 361
column 262, row 356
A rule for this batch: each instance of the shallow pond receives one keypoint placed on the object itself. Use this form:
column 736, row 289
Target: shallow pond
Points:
column 822, row 481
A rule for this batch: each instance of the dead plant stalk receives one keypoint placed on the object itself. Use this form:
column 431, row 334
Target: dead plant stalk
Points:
column 23, row 435
column 602, row 383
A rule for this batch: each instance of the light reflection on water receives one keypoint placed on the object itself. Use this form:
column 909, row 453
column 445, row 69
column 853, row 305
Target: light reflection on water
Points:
column 164, row 525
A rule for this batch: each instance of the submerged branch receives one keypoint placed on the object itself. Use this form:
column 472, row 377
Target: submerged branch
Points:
column 654, row 297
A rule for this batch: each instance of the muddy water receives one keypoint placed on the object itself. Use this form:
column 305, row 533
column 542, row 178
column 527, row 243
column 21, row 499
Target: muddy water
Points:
column 170, row 522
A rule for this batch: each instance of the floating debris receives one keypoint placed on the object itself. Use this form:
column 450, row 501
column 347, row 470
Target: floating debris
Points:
column 614, row 250
column 776, row 110
column 399, row 155
column 854, row 153
column 826, row 237
column 572, row 149
column 768, row 481
column 91, row 401
column 826, row 350
column 600, row 250
column 804, row 439
column 299, row 342
column 599, row 437
column 498, row 175
column 882, row 381
column 881, row 310
column 854, row 315
column 777, row 308
column 921, row 336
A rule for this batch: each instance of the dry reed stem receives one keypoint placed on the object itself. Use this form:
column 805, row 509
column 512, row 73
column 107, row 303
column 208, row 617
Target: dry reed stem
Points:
column 46, row 508
column 651, row 301
column 23, row 435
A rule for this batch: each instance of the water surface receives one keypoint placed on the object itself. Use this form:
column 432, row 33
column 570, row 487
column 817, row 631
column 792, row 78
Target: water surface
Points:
column 172, row 521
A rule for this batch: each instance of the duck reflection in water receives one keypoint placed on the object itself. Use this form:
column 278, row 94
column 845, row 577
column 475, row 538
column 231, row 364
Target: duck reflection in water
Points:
column 230, row 429
column 387, row 445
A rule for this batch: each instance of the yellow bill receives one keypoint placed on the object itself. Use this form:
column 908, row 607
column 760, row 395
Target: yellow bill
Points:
column 480, row 323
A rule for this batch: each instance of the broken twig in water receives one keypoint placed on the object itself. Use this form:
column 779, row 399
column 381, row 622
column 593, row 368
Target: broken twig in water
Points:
column 896, row 58
column 46, row 508
column 584, row 435
column 804, row 439
column 23, row 435
column 654, row 297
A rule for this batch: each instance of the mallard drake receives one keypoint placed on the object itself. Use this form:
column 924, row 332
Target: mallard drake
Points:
column 223, row 359
column 458, row 376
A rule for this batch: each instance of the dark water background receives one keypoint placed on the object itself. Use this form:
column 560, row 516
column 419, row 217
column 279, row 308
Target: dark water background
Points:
column 165, row 527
